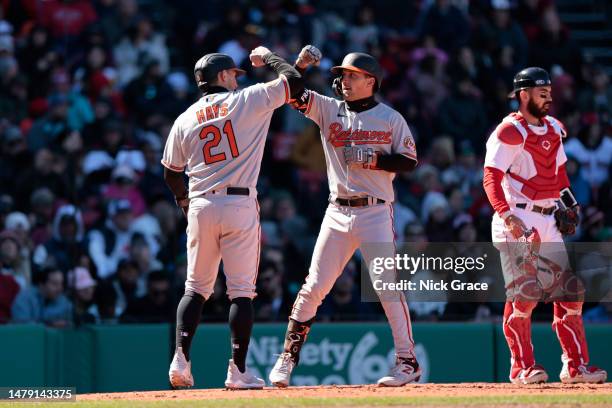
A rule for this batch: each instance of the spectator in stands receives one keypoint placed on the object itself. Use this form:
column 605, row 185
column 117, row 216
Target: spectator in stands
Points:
column 462, row 115
column 11, row 260
column 105, row 308
column 42, row 202
column 446, row 24
column 128, row 283
column 503, row 32
column 15, row 158
column 9, row 288
column 597, row 97
column 37, row 60
column 593, row 150
column 344, row 302
column 45, row 173
column 123, row 186
column 155, row 306
column 67, row 246
column 580, row 187
column 141, row 45
column 81, row 287
column 272, row 302
column 140, row 253
column 45, row 302
column 554, row 46
column 364, row 34
column 110, row 243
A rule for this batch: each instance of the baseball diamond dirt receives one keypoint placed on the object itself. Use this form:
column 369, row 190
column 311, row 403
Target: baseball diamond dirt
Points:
column 439, row 395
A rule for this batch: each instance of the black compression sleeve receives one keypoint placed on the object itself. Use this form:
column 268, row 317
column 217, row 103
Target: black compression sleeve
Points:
column 282, row 67
column 396, row 163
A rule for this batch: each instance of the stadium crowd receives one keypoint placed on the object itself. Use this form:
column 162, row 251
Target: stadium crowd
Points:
column 90, row 88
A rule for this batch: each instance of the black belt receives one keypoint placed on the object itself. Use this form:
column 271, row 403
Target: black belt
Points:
column 537, row 209
column 244, row 191
column 357, row 202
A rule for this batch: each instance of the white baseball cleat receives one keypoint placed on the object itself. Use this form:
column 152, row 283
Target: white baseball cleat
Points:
column 180, row 370
column 536, row 374
column 406, row 370
column 582, row 374
column 241, row 381
column 281, row 372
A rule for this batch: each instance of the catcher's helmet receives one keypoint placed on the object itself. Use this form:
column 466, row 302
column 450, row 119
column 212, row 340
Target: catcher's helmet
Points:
column 529, row 78
column 361, row 62
column 207, row 68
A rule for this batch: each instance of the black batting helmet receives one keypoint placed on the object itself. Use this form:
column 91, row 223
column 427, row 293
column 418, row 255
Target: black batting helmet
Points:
column 207, row 68
column 361, row 62
column 529, row 78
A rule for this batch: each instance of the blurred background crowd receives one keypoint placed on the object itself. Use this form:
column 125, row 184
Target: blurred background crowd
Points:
column 90, row 88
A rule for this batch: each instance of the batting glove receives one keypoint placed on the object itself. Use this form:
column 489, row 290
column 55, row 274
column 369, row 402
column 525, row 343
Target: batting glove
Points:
column 310, row 55
column 257, row 56
column 359, row 155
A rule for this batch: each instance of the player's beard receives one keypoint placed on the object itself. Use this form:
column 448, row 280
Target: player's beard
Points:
column 536, row 111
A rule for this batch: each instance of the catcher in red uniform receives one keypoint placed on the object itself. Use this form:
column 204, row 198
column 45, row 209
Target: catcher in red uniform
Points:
column 526, row 183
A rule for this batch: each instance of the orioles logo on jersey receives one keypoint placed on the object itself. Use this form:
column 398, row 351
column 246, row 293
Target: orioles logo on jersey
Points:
column 409, row 143
column 339, row 137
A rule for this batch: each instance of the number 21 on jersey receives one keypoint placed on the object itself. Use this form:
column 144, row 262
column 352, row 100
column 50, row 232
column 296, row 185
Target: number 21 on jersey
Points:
column 228, row 130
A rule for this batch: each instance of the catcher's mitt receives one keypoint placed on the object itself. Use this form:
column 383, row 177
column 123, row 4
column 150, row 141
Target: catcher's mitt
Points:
column 567, row 219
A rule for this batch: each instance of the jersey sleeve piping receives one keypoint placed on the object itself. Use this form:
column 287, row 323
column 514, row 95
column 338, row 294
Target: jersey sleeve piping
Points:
column 171, row 167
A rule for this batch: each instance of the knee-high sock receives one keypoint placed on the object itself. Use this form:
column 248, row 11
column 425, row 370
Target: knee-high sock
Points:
column 241, row 318
column 188, row 315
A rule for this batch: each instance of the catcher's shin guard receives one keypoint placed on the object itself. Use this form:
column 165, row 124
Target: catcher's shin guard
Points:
column 569, row 327
column 517, row 330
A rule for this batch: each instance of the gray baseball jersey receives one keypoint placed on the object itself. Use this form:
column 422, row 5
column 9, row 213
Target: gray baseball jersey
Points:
column 381, row 128
column 219, row 140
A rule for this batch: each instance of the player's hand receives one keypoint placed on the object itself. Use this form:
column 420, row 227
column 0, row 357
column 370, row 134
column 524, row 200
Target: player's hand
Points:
column 257, row 56
column 516, row 226
column 310, row 55
column 183, row 204
column 359, row 155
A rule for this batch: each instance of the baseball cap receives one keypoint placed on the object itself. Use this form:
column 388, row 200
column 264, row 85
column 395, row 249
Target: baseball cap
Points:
column 81, row 278
column 97, row 160
column 117, row 206
column 17, row 220
column 123, row 171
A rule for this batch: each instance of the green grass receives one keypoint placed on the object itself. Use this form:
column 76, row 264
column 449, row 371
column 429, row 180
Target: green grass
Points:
column 518, row 400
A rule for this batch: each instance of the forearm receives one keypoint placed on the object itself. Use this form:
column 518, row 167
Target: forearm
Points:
column 175, row 183
column 282, row 67
column 396, row 163
column 491, row 182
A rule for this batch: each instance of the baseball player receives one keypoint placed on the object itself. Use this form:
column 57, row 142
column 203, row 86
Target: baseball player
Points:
column 524, row 177
column 219, row 142
column 365, row 143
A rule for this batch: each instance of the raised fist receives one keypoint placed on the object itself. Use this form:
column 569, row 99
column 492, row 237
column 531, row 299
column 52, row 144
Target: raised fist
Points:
column 257, row 56
column 310, row 55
